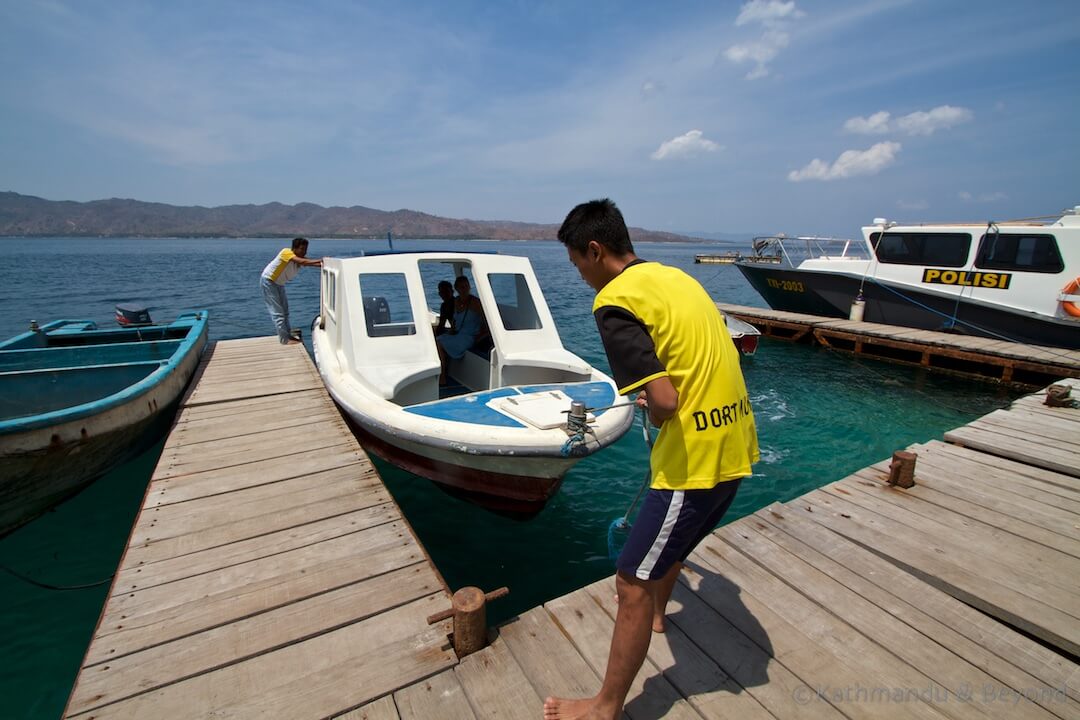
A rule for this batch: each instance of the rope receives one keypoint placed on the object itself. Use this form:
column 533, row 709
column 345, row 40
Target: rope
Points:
column 47, row 586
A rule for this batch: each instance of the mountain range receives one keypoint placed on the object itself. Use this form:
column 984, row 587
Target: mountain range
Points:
column 28, row 216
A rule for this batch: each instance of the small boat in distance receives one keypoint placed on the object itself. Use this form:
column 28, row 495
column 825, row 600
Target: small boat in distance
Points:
column 77, row 401
column 517, row 414
column 743, row 334
column 1015, row 281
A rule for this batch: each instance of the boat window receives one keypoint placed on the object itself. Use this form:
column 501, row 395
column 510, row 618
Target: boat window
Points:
column 1026, row 253
column 915, row 248
column 330, row 291
column 515, row 301
column 387, row 310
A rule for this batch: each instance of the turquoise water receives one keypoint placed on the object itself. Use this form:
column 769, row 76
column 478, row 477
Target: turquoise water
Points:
column 820, row 416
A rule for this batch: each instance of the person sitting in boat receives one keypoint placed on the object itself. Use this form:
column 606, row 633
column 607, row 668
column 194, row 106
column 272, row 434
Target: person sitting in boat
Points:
column 469, row 326
column 446, row 310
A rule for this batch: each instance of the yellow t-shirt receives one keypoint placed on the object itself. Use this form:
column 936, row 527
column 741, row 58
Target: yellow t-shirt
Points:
column 656, row 320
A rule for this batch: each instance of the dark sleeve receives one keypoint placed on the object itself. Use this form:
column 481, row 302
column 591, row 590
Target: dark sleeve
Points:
column 446, row 314
column 629, row 347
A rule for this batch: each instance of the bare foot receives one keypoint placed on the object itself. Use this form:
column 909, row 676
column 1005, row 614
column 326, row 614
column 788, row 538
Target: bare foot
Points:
column 294, row 342
column 580, row 709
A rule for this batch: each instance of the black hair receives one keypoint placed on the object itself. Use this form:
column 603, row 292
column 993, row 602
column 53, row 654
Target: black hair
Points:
column 445, row 283
column 459, row 278
column 298, row 243
column 597, row 220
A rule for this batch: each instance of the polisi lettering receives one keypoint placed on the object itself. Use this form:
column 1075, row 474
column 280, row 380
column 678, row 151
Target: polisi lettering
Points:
column 967, row 279
column 721, row 416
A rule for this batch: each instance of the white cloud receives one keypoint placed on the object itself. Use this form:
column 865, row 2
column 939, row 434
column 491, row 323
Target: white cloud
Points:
column 760, row 52
column 983, row 198
column 774, row 15
column 940, row 118
column 688, row 145
column 850, row 164
column 876, row 124
column 767, row 12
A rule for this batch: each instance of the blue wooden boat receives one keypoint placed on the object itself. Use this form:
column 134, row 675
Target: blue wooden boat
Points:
column 76, row 401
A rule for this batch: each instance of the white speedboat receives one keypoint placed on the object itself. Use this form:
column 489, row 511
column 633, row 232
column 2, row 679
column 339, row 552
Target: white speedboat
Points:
column 503, row 428
column 1015, row 281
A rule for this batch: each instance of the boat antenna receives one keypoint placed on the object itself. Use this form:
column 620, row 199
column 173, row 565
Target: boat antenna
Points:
column 390, row 239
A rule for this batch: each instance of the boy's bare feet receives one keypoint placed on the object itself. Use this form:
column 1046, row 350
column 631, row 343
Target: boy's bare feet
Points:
column 577, row 709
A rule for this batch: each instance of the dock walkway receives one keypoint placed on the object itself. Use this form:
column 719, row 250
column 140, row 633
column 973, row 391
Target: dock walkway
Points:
column 958, row 598
column 269, row 572
column 270, row 575
column 965, row 355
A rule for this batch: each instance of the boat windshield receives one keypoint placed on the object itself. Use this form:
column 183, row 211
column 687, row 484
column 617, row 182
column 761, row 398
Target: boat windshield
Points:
column 793, row 250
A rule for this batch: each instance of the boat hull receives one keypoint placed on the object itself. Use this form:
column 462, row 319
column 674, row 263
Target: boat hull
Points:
column 831, row 295
column 506, row 484
column 44, row 463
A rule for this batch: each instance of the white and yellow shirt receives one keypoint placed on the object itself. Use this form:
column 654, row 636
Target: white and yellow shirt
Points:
column 280, row 270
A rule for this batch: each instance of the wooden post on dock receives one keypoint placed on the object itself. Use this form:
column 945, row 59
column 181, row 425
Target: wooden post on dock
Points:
column 470, row 618
column 902, row 469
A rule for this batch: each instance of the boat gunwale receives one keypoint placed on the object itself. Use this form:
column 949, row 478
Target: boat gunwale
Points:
column 198, row 324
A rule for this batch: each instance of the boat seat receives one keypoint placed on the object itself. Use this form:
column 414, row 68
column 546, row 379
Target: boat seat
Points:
column 391, row 380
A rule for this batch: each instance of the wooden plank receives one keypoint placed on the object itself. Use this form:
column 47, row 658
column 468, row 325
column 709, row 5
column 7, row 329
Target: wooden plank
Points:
column 1008, row 478
column 171, row 662
column 207, row 511
column 165, row 488
column 253, row 388
column 922, row 652
column 381, row 709
column 589, row 628
column 311, row 679
column 970, row 577
column 165, row 612
column 496, row 686
column 711, row 691
column 190, row 432
column 548, row 658
column 140, row 572
column 440, row 696
column 1054, row 434
column 783, row 626
column 243, row 450
column 267, row 406
column 1008, row 656
column 985, row 510
column 1032, row 560
column 1023, row 450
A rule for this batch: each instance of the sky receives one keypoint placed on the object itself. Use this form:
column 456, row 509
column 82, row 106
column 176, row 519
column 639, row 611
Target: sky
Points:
column 759, row 116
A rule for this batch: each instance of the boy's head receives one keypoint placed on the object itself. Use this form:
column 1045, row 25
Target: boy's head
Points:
column 597, row 241
column 300, row 246
column 597, row 220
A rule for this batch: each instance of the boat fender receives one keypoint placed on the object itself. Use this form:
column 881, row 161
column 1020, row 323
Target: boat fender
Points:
column 1068, row 305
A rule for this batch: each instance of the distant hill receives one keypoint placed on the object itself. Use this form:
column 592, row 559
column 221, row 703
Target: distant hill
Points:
column 26, row 215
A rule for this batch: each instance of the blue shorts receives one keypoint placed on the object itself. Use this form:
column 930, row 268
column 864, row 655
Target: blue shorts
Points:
column 670, row 525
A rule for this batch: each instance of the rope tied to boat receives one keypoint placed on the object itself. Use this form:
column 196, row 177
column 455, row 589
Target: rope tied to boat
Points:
column 577, row 427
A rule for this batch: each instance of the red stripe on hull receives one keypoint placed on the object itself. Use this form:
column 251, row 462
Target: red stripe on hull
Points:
column 497, row 491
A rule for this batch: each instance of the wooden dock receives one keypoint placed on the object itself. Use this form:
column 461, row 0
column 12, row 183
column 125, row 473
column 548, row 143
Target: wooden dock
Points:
column 958, row 598
column 963, row 355
column 269, row 574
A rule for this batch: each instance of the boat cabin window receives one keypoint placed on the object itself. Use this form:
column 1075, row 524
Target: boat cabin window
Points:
column 329, row 290
column 515, row 301
column 1026, row 253
column 915, row 248
column 387, row 310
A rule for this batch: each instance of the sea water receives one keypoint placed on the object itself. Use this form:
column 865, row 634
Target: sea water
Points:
column 821, row 415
